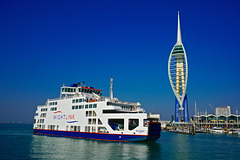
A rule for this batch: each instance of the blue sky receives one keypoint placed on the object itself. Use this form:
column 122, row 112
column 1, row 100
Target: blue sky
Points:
column 47, row 43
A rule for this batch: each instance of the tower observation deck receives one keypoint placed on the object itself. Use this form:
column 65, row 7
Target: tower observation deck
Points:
column 178, row 75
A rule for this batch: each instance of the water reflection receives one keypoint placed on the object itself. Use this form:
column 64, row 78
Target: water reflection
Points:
column 18, row 142
column 182, row 146
column 44, row 147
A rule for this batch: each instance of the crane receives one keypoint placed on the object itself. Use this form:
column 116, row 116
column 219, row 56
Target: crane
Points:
column 212, row 108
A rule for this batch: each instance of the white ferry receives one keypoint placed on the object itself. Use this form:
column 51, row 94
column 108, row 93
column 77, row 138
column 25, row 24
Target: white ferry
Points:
column 81, row 112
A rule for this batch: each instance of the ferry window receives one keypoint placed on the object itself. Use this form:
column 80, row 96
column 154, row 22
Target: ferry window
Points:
column 102, row 130
column 94, row 105
column 94, row 121
column 62, row 89
column 99, row 121
column 80, row 100
column 66, row 128
column 86, row 106
column 74, row 90
column 133, row 123
column 87, row 128
column 34, row 121
column 76, row 100
column 43, row 115
column 75, row 128
column 89, row 121
column 116, row 124
column 145, row 123
column 76, row 107
column 73, row 101
column 94, row 114
column 71, row 128
column 90, row 113
column 90, row 105
column 43, row 109
column 86, row 113
column 73, row 107
column 78, row 129
column 68, row 90
column 53, row 109
column 93, row 129
column 55, row 103
column 71, row 90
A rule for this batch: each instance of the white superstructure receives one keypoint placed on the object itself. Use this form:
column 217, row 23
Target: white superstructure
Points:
column 83, row 109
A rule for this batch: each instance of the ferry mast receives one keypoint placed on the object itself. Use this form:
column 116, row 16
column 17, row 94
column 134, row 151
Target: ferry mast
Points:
column 178, row 74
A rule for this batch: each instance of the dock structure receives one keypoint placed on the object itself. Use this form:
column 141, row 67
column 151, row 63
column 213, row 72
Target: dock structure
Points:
column 223, row 121
column 222, row 117
column 182, row 127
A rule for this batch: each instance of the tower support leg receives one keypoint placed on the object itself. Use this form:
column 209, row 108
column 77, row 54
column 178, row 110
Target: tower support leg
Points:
column 185, row 107
column 177, row 105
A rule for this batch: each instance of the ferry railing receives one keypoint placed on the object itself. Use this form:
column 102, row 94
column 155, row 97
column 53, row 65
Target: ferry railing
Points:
column 54, row 99
column 41, row 106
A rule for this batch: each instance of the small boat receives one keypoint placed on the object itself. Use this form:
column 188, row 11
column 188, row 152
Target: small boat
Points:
column 216, row 130
column 232, row 131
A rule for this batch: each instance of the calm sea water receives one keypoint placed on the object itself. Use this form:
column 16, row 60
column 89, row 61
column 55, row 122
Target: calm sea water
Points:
column 18, row 142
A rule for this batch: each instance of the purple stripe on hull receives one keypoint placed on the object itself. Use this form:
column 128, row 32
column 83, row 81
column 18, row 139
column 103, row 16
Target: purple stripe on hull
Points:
column 95, row 136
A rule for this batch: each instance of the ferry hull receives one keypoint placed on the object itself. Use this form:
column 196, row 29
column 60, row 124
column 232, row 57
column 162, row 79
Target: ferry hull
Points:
column 98, row 136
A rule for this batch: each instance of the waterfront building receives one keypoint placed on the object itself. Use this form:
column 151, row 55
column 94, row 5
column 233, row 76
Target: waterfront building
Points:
column 223, row 111
column 178, row 75
column 223, row 118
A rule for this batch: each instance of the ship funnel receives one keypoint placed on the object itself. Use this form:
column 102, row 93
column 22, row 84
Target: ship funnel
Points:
column 111, row 88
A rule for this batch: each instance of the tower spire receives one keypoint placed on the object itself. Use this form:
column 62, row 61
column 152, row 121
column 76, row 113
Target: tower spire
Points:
column 179, row 37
